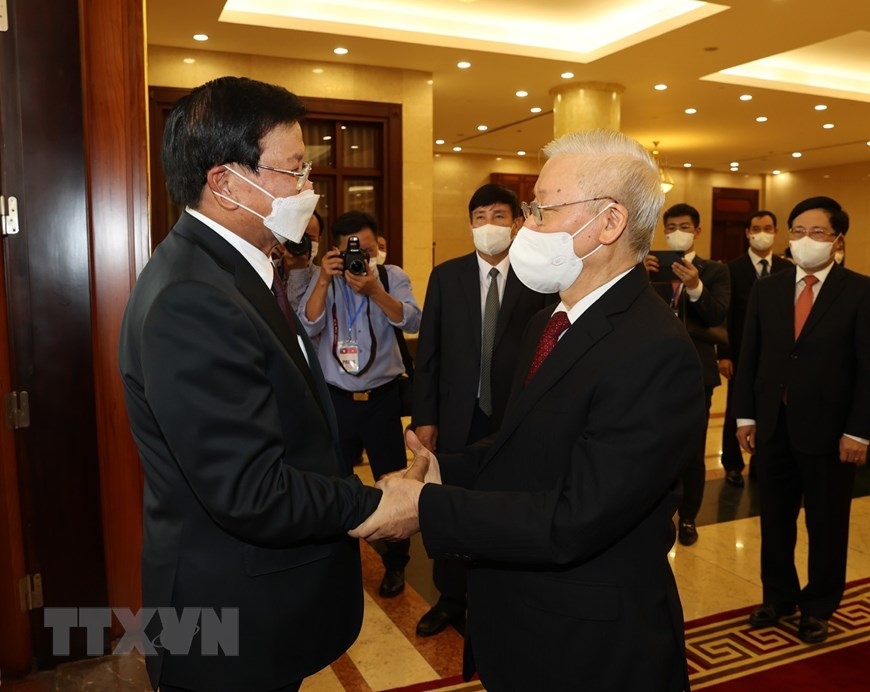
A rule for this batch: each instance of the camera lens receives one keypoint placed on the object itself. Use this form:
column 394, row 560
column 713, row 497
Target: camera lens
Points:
column 357, row 266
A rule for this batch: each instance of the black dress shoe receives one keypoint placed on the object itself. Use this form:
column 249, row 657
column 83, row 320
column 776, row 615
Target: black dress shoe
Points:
column 687, row 534
column 768, row 615
column 435, row 621
column 812, row 630
column 734, row 478
column 393, row 583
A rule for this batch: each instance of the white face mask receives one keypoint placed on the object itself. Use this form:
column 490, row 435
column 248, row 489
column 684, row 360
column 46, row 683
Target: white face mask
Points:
column 382, row 257
column 373, row 262
column 761, row 241
column 491, row 239
column 289, row 216
column 546, row 262
column 680, row 240
column 315, row 246
column 810, row 254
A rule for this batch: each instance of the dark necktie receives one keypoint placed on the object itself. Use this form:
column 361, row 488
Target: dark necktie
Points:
column 490, row 318
column 281, row 296
column 765, row 269
column 558, row 323
column 804, row 304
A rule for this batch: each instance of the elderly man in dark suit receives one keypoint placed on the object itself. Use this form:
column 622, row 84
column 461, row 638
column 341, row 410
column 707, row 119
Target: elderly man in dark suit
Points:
column 565, row 515
column 246, row 506
column 803, row 407
column 757, row 262
column 475, row 313
column 700, row 295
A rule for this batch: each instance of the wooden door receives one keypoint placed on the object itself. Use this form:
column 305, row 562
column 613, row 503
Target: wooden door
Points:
column 731, row 210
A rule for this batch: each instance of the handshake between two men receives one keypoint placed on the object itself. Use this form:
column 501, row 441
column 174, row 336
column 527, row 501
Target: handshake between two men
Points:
column 397, row 516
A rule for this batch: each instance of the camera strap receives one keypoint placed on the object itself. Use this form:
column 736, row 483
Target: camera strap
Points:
column 335, row 339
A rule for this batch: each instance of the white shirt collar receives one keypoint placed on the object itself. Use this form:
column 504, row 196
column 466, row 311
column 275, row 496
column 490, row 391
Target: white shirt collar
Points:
column 587, row 301
column 821, row 274
column 485, row 266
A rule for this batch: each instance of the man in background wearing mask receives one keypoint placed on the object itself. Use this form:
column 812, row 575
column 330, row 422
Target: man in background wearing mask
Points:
column 246, row 502
column 352, row 316
column 565, row 516
column 700, row 300
column 803, row 408
column 297, row 260
column 475, row 312
column 757, row 262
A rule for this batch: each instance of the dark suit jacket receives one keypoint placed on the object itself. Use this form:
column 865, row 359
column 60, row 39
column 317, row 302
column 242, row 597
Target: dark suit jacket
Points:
column 710, row 310
column 743, row 277
column 570, row 586
column 447, row 370
column 826, row 371
column 242, row 500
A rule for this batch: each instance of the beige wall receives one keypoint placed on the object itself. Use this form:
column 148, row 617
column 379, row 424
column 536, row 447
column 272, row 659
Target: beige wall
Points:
column 166, row 67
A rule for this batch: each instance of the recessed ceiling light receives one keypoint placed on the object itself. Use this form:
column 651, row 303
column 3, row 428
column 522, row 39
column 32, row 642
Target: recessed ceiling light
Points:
column 690, row 111
column 820, row 107
column 522, row 93
column 463, row 64
column 735, row 168
column 687, row 165
column 776, row 171
column 745, row 97
column 567, row 75
column 327, row 138
column 189, row 61
column 521, row 153
column 457, row 148
column 317, row 70
column 482, row 128
column 734, row 164
column 796, row 155
column 660, row 87
column 868, row 144
column 761, row 119
column 340, row 51
column 828, row 126
column 354, row 146
column 200, row 37
column 439, row 141
column 538, row 109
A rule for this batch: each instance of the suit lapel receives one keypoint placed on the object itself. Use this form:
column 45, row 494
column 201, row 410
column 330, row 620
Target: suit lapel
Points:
column 470, row 289
column 828, row 294
column 512, row 290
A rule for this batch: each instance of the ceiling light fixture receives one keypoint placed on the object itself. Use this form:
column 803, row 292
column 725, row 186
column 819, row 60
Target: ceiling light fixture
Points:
column 482, row 128
column 340, row 51
column 439, row 141
column 567, row 75
column 457, row 148
column 521, row 153
column 690, row 111
column 522, row 93
column 463, row 64
column 734, row 164
column 538, row 109
column 776, row 171
column 660, row 87
column 761, row 119
column 687, row 165
column 667, row 182
column 189, row 61
column 796, row 155
column 828, row 126
column 200, row 37
column 745, row 97
column 821, row 107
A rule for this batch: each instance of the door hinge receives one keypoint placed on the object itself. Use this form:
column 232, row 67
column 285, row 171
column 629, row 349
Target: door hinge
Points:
column 17, row 410
column 30, row 592
column 9, row 211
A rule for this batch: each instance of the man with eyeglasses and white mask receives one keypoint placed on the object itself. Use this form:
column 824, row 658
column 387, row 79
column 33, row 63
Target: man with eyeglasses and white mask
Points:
column 699, row 298
column 565, row 515
column 803, row 408
column 246, row 505
column 757, row 262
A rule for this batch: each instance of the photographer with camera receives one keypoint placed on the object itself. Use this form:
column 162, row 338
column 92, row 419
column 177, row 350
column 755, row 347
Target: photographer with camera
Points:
column 294, row 262
column 350, row 314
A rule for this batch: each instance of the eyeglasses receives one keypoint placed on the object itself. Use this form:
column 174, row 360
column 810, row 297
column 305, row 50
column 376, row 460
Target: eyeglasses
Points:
column 816, row 233
column 537, row 210
column 301, row 176
column 687, row 227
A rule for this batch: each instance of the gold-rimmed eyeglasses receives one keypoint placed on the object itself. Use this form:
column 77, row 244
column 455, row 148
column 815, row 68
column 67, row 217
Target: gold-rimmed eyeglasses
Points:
column 301, row 175
column 537, row 210
column 815, row 232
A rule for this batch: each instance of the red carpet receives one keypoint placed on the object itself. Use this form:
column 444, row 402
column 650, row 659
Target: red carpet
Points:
column 725, row 655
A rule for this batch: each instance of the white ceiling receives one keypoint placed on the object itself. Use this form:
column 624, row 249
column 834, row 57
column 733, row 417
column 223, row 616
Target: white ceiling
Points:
column 790, row 55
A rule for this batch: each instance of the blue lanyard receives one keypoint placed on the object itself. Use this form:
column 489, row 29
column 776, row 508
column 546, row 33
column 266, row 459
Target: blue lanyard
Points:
column 351, row 319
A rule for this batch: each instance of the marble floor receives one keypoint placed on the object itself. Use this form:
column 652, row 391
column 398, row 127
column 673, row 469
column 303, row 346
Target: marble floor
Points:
column 719, row 573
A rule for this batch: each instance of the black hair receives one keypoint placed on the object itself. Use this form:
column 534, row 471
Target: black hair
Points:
column 221, row 121
column 682, row 209
column 759, row 213
column 491, row 193
column 839, row 219
column 351, row 223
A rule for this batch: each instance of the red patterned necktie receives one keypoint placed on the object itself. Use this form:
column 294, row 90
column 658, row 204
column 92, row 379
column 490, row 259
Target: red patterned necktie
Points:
column 804, row 304
column 558, row 323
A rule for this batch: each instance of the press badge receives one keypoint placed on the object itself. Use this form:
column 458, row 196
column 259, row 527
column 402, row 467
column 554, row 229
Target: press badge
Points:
column 348, row 356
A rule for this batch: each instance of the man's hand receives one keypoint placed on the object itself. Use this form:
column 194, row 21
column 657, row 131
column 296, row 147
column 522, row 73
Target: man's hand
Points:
column 396, row 515
column 852, row 451
column 331, row 265
column 726, row 368
column 432, row 471
column 367, row 285
column 746, row 438
column 686, row 272
column 651, row 262
column 428, row 436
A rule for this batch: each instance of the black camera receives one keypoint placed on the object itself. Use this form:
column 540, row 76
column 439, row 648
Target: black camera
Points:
column 356, row 260
column 300, row 249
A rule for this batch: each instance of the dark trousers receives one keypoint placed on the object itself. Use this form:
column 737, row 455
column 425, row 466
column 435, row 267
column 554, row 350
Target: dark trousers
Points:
column 732, row 457
column 450, row 576
column 376, row 427
column 785, row 476
column 695, row 473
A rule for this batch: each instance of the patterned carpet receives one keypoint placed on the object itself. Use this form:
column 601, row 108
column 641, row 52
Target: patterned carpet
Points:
column 723, row 648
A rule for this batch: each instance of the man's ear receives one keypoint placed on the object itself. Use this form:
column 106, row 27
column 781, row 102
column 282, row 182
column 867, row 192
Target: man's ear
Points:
column 220, row 180
column 616, row 221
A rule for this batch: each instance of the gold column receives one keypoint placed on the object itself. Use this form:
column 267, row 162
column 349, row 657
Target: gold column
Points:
column 586, row 106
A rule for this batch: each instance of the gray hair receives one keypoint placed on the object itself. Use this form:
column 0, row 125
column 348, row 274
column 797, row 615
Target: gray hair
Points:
column 617, row 166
